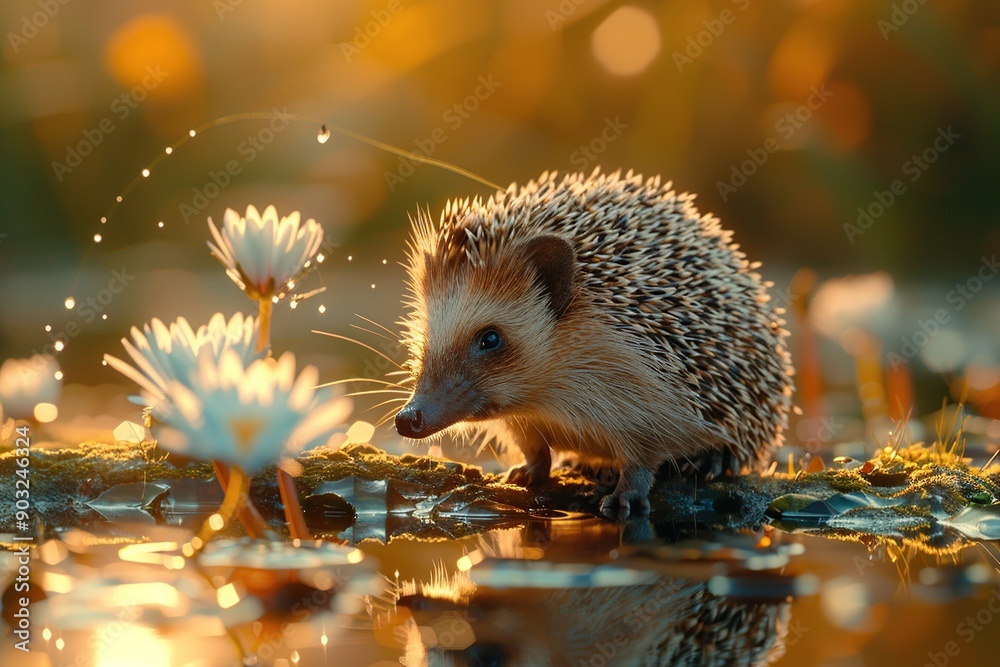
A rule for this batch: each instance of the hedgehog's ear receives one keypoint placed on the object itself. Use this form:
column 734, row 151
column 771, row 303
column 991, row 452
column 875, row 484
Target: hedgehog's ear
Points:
column 554, row 262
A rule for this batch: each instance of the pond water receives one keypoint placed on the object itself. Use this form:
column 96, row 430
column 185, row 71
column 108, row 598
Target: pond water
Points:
column 554, row 589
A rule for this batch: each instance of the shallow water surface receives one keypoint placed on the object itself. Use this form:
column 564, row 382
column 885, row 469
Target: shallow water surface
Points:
column 556, row 589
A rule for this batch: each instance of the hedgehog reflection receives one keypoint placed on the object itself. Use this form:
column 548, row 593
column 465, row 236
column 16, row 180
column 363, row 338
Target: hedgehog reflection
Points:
column 664, row 621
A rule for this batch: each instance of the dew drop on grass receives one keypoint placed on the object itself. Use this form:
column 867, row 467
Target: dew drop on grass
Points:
column 70, row 303
column 323, row 135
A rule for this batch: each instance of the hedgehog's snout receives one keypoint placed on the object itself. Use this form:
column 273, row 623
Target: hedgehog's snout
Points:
column 435, row 406
column 410, row 422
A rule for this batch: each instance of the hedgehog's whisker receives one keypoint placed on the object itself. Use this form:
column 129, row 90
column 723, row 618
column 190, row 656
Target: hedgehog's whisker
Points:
column 391, row 400
column 380, row 391
column 395, row 336
column 349, row 380
column 358, row 342
column 375, row 333
column 402, row 372
column 389, row 415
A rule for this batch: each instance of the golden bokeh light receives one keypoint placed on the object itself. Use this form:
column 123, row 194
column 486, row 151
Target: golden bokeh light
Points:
column 155, row 56
column 227, row 596
column 627, row 42
column 134, row 646
column 46, row 412
column 802, row 59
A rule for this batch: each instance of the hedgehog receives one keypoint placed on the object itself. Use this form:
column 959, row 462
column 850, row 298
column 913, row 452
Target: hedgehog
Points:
column 598, row 315
column 663, row 620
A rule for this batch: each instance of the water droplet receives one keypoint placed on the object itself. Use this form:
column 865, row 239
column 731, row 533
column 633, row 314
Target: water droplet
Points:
column 103, row 220
column 145, row 173
column 320, row 257
column 322, row 309
column 294, row 304
column 373, row 285
column 48, row 327
column 168, row 150
column 324, row 639
column 104, row 362
column 59, row 375
column 59, row 346
column 291, row 284
column 350, row 258
column 160, row 224
column 104, row 316
column 274, row 299
column 385, row 261
column 97, row 238
column 307, row 264
column 118, row 199
column 323, row 135
column 70, row 303
column 60, row 644
column 191, row 133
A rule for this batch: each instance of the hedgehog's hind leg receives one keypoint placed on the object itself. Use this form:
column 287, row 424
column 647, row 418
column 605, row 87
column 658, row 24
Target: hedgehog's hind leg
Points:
column 714, row 464
column 631, row 497
column 537, row 466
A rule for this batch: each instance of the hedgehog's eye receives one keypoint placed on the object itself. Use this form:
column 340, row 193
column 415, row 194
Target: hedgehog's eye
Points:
column 490, row 340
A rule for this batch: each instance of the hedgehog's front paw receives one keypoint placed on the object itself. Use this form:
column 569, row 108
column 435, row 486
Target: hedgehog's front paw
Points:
column 631, row 497
column 527, row 475
column 625, row 505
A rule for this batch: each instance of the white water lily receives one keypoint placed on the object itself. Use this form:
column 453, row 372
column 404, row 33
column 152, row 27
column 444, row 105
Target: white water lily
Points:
column 27, row 383
column 262, row 253
column 249, row 416
column 163, row 354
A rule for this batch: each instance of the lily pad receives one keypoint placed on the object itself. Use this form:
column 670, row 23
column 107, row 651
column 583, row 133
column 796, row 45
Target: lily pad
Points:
column 133, row 502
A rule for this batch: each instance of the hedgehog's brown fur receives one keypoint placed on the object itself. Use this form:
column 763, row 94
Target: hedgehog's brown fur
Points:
column 633, row 330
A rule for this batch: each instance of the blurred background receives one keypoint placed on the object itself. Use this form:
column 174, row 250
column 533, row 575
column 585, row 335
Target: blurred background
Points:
column 836, row 137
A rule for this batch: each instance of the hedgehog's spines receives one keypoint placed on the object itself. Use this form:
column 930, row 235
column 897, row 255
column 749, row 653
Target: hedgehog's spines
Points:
column 654, row 269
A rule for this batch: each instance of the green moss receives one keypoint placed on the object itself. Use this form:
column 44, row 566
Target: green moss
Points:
column 64, row 476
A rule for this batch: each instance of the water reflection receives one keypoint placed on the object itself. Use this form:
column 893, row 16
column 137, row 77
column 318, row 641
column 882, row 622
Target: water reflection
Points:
column 693, row 603
column 559, row 589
